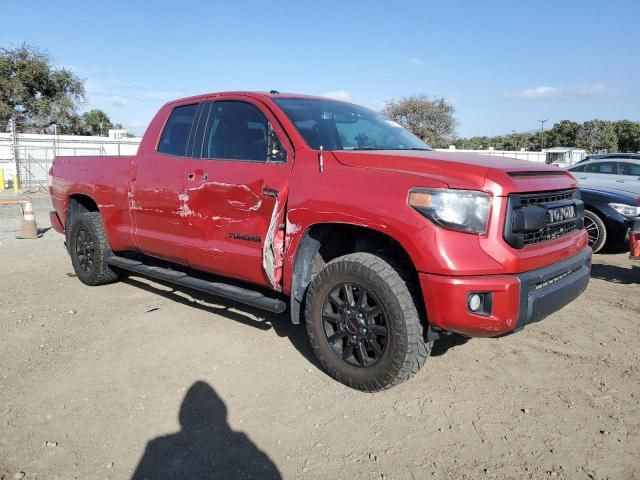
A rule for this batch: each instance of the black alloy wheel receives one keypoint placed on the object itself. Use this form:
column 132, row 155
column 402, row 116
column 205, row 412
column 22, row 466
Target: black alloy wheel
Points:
column 355, row 325
column 363, row 322
column 85, row 250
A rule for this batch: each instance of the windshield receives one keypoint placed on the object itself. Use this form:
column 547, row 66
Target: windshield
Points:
column 344, row 126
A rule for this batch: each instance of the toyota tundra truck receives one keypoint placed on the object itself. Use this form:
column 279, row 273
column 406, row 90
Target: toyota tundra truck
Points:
column 376, row 242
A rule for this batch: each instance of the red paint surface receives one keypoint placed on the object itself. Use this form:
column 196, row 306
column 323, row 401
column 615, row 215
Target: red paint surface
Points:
column 149, row 204
column 446, row 302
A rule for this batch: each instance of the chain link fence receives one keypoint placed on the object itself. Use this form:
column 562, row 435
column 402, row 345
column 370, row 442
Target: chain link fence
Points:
column 31, row 155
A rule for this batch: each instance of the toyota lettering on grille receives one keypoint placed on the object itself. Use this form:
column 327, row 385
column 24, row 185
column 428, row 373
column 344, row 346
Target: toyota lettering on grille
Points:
column 562, row 213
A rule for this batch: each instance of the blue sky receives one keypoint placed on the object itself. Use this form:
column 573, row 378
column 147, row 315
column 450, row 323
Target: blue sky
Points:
column 503, row 64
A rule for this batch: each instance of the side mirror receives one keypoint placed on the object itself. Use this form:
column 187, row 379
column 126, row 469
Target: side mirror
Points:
column 275, row 149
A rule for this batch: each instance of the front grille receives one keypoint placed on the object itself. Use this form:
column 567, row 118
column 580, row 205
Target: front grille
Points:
column 528, row 221
column 550, row 233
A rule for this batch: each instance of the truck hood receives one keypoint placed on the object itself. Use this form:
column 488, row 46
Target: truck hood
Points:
column 468, row 171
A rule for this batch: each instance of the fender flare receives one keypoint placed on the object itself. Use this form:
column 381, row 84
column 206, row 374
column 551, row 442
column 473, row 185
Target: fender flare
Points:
column 302, row 269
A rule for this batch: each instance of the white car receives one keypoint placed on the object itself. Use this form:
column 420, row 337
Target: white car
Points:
column 612, row 172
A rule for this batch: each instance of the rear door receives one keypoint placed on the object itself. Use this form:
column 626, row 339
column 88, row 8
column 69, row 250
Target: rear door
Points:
column 629, row 176
column 237, row 193
column 156, row 197
column 602, row 173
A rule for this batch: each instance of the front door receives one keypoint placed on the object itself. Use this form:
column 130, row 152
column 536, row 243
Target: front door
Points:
column 237, row 193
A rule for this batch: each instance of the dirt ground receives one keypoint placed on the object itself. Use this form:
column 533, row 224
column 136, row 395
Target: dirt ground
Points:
column 134, row 378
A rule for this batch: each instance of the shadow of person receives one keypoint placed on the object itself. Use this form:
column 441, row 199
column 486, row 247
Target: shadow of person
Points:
column 205, row 447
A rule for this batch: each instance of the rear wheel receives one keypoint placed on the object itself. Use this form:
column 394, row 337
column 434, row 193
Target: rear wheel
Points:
column 90, row 250
column 363, row 324
column 596, row 230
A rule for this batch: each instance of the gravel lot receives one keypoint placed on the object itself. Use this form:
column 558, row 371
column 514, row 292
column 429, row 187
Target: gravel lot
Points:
column 134, row 378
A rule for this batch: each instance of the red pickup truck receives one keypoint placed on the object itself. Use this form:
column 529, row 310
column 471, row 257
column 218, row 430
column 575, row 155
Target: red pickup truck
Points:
column 376, row 242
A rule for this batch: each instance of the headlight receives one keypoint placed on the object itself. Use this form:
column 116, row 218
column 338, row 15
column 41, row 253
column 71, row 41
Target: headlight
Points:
column 628, row 210
column 463, row 210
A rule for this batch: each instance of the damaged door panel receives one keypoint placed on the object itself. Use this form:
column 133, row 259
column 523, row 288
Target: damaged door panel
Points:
column 273, row 245
column 237, row 196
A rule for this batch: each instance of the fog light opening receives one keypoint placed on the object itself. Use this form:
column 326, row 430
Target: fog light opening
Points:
column 480, row 303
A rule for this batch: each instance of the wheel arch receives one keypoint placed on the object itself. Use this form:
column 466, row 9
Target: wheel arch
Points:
column 77, row 204
column 322, row 242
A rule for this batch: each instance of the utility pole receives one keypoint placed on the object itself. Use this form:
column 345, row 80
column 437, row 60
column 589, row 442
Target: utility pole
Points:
column 542, row 122
column 55, row 140
column 14, row 152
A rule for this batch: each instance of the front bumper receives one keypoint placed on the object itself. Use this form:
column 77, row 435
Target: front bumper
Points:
column 517, row 300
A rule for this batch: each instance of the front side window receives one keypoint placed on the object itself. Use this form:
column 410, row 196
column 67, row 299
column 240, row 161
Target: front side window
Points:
column 577, row 169
column 175, row 136
column 236, row 131
column 344, row 126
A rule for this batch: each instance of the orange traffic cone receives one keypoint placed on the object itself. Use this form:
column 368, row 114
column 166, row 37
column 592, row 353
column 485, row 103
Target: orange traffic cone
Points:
column 29, row 228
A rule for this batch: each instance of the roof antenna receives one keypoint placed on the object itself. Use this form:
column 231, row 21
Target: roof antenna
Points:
column 321, row 159
column 274, row 92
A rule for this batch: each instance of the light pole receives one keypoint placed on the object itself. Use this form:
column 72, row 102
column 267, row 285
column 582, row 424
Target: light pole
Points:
column 542, row 122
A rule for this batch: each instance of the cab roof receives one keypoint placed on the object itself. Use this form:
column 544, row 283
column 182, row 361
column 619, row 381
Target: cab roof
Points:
column 251, row 94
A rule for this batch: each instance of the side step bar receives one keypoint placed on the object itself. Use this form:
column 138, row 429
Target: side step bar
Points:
column 232, row 292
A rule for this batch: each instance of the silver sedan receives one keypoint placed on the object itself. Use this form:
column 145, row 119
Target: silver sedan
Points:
column 620, row 173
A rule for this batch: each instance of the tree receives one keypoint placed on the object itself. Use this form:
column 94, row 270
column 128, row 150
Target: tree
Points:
column 430, row 119
column 628, row 134
column 95, row 122
column 35, row 93
column 597, row 136
column 563, row 134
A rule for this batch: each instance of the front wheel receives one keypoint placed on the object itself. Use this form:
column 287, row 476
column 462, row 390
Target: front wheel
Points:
column 596, row 230
column 363, row 324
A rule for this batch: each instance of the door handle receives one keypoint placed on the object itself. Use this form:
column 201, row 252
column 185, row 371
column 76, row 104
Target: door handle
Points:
column 191, row 176
column 620, row 181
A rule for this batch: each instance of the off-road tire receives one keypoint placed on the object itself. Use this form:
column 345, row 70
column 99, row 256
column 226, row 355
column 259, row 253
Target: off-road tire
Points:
column 602, row 230
column 406, row 348
column 99, row 272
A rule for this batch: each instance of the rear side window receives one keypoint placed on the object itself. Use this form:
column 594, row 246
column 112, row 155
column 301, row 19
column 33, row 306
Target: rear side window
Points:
column 577, row 169
column 236, row 131
column 627, row 168
column 175, row 136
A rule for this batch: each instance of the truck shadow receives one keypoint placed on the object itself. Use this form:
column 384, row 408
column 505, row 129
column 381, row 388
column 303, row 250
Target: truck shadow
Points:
column 446, row 343
column 253, row 317
column 238, row 312
column 615, row 274
column 205, row 446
